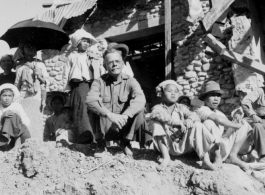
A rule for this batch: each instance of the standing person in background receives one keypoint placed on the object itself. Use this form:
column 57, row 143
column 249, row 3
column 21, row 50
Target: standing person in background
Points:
column 32, row 82
column 78, row 75
column 7, row 63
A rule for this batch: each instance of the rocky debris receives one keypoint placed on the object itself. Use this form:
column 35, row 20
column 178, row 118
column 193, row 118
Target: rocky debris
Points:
column 40, row 168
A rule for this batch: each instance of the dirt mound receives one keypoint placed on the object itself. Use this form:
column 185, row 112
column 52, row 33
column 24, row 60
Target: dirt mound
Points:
column 38, row 168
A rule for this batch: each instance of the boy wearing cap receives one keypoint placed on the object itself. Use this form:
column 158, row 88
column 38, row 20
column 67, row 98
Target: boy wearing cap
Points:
column 253, row 104
column 232, row 139
column 119, row 102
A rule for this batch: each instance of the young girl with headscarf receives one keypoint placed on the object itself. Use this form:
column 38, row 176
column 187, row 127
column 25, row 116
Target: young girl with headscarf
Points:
column 14, row 121
column 80, row 71
column 176, row 130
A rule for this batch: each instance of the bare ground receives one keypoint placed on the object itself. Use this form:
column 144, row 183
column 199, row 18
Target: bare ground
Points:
column 38, row 168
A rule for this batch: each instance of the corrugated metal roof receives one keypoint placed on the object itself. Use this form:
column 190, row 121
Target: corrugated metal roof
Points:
column 66, row 11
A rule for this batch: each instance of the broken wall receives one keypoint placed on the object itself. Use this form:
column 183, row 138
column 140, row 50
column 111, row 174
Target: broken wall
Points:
column 247, row 38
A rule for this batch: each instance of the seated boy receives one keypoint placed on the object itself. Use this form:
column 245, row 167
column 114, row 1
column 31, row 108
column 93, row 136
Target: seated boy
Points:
column 58, row 123
column 215, row 121
column 176, row 130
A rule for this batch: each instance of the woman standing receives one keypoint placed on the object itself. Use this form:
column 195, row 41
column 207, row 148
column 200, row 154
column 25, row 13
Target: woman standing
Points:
column 79, row 73
column 31, row 80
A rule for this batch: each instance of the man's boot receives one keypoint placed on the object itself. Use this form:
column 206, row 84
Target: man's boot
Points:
column 100, row 149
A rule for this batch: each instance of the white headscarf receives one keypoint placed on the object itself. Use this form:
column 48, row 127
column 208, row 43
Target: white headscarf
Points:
column 13, row 88
column 162, row 86
column 76, row 37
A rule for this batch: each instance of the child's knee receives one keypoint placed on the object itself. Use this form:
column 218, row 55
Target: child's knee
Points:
column 209, row 124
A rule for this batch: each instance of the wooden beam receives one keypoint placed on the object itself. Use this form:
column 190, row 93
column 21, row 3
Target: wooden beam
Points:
column 168, row 64
column 243, row 61
column 214, row 43
column 234, row 57
column 215, row 12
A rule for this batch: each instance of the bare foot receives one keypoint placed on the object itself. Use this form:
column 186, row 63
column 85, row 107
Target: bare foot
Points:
column 127, row 150
column 208, row 166
column 163, row 165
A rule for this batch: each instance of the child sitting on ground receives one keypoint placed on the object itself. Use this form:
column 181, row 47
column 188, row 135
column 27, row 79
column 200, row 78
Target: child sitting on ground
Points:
column 58, row 123
column 176, row 130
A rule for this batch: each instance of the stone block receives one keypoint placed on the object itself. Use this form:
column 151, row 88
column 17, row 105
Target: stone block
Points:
column 49, row 64
column 190, row 74
column 192, row 80
column 58, row 69
column 58, row 78
column 206, row 67
column 55, row 58
column 201, row 78
column 197, row 68
column 202, row 74
column 60, row 63
column 190, row 68
column 205, row 60
column 53, row 73
column 180, row 77
column 186, row 87
column 186, row 91
column 183, row 82
column 194, row 85
column 196, row 63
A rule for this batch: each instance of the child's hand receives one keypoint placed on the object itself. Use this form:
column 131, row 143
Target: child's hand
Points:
column 183, row 128
column 237, row 118
column 189, row 123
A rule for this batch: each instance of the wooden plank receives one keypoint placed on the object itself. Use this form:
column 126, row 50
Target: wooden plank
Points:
column 214, row 43
column 215, row 12
column 168, row 39
column 234, row 57
column 243, row 61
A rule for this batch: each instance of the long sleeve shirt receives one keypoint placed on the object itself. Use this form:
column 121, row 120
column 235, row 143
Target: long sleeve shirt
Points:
column 252, row 101
column 160, row 113
column 123, row 96
column 18, row 109
column 24, row 86
column 81, row 67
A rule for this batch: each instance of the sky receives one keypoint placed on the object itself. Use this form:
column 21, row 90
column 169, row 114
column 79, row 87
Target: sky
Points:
column 13, row 11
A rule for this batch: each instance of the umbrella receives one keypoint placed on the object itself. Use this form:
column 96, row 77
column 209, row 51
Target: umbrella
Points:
column 44, row 35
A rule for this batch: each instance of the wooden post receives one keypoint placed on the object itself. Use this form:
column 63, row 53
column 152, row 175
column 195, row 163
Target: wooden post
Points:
column 168, row 38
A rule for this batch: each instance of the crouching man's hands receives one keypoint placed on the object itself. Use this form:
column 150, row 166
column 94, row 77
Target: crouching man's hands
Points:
column 118, row 120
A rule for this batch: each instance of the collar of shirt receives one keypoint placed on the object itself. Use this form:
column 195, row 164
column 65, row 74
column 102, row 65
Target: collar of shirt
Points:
column 119, row 80
column 177, row 107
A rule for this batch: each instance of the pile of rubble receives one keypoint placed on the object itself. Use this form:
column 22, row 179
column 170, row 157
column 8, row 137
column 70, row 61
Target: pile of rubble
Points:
column 40, row 168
